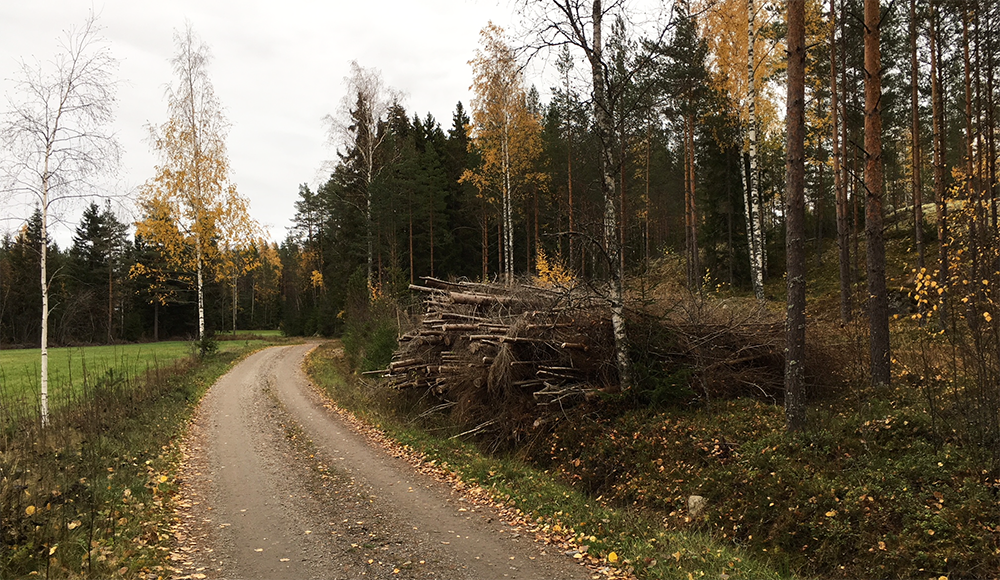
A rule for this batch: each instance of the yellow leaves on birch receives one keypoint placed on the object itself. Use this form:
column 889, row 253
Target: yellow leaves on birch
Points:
column 724, row 25
column 191, row 212
column 505, row 133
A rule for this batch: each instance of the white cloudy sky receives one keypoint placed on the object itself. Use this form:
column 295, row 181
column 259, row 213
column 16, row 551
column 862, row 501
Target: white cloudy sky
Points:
column 278, row 68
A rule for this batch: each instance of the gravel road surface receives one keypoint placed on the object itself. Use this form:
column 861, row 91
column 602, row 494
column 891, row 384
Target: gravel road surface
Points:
column 275, row 485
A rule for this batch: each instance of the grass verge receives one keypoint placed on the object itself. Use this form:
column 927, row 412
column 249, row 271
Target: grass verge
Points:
column 627, row 539
column 90, row 495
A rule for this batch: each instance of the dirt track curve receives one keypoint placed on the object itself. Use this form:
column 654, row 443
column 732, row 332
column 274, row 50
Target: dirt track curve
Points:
column 277, row 486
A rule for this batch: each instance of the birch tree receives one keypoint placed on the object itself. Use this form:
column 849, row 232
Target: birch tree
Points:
column 238, row 235
column 190, row 198
column 744, row 59
column 580, row 24
column 57, row 140
column 359, row 127
column 505, row 133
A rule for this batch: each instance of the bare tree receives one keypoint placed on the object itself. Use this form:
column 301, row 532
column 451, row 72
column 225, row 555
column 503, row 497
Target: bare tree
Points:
column 358, row 127
column 580, row 24
column 58, row 139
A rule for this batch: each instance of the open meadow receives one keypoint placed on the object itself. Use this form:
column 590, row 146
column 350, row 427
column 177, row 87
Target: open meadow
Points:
column 74, row 369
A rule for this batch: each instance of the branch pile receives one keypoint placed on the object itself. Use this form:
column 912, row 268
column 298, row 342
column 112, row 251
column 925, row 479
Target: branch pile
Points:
column 506, row 359
column 484, row 343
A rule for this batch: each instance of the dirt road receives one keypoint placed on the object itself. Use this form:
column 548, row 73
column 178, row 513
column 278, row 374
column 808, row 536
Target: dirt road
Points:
column 276, row 486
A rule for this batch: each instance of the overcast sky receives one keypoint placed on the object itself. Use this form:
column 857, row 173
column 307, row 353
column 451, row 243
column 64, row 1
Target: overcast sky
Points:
column 278, row 67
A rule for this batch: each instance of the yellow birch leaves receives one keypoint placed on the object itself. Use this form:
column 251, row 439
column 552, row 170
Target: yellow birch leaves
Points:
column 191, row 212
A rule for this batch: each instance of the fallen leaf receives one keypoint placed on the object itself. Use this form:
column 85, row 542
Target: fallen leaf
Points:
column 612, row 557
column 30, row 510
column 259, row 550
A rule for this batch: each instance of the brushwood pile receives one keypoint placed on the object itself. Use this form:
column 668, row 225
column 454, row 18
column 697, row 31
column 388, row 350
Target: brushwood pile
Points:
column 506, row 360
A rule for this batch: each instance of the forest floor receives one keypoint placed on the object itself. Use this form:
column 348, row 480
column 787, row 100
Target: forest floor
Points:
column 276, row 483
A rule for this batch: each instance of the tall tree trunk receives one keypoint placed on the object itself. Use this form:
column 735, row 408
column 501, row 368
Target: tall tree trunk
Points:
column 991, row 146
column 485, row 241
column 111, row 302
column 44, row 252
column 695, row 254
column 410, row 230
column 569, row 187
column 648, row 208
column 370, row 239
column 819, row 202
column 688, row 213
column 604, row 123
column 795, row 322
column 622, row 242
column 754, row 213
column 878, row 304
column 850, row 174
column 201, row 290
column 508, row 208
column 917, row 161
column 971, row 174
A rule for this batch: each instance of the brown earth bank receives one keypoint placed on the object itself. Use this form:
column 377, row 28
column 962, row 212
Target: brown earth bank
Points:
column 275, row 485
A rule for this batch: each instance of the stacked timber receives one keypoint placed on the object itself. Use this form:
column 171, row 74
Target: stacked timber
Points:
column 526, row 343
column 506, row 359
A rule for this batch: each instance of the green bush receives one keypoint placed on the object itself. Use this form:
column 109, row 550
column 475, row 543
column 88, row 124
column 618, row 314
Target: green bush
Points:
column 370, row 326
column 208, row 346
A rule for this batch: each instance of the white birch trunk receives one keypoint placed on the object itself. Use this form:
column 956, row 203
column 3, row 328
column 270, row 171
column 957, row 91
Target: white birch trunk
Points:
column 753, row 204
column 44, row 379
column 605, row 128
column 508, row 220
column 201, row 293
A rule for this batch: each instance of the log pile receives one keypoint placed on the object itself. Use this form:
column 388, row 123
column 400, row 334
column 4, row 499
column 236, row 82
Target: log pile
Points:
column 525, row 346
column 505, row 360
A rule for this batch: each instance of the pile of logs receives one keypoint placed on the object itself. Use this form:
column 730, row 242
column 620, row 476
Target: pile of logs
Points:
column 516, row 345
column 507, row 359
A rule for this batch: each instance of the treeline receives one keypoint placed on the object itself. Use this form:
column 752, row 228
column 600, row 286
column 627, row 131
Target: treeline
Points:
column 696, row 172
column 397, row 207
column 98, row 296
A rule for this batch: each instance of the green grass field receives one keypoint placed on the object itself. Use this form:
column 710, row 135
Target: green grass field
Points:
column 69, row 367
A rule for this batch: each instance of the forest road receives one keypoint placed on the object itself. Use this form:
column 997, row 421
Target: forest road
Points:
column 276, row 486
